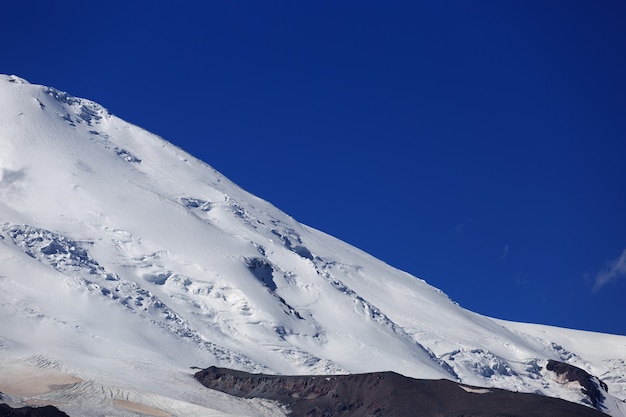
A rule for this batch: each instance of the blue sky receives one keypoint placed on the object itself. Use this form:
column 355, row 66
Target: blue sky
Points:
column 478, row 145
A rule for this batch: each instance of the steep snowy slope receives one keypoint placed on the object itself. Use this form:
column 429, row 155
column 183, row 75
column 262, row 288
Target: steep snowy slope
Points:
column 124, row 261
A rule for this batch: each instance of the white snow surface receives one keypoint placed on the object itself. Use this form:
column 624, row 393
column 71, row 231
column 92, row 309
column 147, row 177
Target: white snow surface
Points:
column 125, row 262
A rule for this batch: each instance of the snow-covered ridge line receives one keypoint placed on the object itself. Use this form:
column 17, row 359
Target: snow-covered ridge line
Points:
column 128, row 261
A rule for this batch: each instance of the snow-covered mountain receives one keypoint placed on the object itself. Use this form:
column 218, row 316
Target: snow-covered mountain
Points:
column 125, row 262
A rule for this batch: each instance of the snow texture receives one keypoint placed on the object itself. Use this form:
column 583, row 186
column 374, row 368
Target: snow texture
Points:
column 125, row 261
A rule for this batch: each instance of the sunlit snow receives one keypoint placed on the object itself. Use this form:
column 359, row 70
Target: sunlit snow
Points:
column 125, row 262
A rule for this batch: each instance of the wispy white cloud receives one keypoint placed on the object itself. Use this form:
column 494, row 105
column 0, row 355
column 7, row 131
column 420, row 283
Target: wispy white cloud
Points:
column 505, row 252
column 614, row 270
column 460, row 228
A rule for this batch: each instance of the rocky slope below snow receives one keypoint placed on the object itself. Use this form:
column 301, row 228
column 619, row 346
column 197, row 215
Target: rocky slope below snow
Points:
column 385, row 394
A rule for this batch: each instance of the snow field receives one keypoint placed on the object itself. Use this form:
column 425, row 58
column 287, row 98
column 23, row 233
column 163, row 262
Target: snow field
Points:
column 126, row 261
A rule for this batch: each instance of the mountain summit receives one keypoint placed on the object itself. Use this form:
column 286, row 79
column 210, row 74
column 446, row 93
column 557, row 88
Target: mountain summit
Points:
column 125, row 262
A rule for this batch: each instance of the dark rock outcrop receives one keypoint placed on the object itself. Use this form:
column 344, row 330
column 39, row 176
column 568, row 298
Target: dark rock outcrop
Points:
column 45, row 411
column 591, row 386
column 386, row 394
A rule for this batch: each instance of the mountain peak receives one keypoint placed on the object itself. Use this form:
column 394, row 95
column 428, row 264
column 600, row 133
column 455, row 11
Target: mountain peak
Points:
column 125, row 261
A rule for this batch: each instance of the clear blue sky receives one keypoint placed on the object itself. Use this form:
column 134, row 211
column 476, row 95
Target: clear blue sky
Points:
column 479, row 145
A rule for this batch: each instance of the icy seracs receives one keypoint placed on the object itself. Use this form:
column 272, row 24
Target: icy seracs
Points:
column 125, row 261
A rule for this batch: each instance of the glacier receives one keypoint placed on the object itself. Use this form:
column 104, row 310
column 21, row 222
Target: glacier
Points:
column 126, row 264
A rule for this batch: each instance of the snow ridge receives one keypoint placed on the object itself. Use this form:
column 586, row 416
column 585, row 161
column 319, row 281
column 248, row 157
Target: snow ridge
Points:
column 127, row 261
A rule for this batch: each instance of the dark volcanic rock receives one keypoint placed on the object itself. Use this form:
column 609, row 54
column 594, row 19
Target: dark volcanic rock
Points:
column 45, row 411
column 386, row 394
column 591, row 386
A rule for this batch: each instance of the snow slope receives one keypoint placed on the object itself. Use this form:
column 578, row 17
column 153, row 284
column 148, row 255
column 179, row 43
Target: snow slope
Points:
column 124, row 261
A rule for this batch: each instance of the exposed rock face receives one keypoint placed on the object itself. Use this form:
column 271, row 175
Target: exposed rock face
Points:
column 385, row 394
column 591, row 386
column 45, row 411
